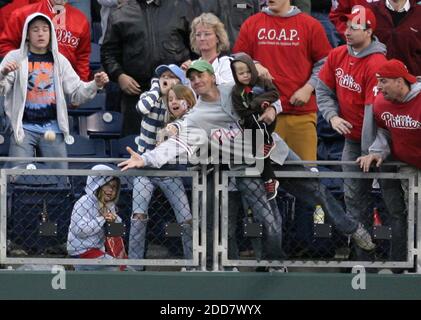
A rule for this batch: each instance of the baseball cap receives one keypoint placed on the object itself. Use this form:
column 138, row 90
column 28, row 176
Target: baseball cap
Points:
column 201, row 66
column 176, row 70
column 361, row 16
column 395, row 69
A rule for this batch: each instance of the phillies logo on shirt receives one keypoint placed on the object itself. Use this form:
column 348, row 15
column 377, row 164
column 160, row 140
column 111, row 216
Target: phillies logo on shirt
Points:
column 67, row 38
column 225, row 134
column 347, row 81
column 278, row 37
column 400, row 121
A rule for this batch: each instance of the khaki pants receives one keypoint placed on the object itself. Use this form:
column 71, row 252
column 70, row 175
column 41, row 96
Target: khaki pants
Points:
column 299, row 133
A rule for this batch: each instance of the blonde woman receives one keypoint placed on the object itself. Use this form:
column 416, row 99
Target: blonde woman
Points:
column 209, row 39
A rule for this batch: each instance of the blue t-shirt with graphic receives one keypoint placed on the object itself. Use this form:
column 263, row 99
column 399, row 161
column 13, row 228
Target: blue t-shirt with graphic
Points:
column 40, row 114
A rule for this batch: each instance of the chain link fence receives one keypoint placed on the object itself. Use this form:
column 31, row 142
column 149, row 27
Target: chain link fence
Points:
column 319, row 219
column 83, row 217
column 208, row 221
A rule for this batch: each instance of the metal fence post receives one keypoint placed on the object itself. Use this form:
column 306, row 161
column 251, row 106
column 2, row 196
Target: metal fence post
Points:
column 3, row 216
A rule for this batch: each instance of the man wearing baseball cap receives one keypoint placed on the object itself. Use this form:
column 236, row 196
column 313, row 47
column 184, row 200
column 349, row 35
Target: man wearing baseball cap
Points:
column 398, row 117
column 201, row 66
column 345, row 98
column 397, row 26
column 360, row 17
column 214, row 122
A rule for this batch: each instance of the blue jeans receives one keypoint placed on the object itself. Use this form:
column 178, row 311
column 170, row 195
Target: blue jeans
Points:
column 84, row 6
column 330, row 29
column 143, row 189
column 265, row 212
column 34, row 142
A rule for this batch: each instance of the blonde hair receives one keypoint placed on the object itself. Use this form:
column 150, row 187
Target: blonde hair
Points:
column 100, row 193
column 181, row 92
column 210, row 20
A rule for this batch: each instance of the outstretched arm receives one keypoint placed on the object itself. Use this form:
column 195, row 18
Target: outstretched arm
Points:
column 135, row 161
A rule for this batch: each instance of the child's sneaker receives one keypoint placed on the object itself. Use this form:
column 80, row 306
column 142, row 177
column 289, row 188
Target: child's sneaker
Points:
column 271, row 187
column 267, row 150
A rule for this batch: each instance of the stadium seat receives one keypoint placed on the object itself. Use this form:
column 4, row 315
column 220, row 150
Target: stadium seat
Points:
column 96, row 32
column 90, row 107
column 95, row 57
column 84, row 147
column 118, row 146
column 29, row 197
column 103, row 124
column 4, row 144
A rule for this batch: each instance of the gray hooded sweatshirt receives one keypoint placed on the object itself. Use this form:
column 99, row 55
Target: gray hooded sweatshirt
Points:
column 86, row 224
column 329, row 106
column 66, row 81
column 214, row 124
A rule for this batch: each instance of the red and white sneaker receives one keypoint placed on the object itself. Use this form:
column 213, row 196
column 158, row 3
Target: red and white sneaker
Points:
column 267, row 150
column 271, row 187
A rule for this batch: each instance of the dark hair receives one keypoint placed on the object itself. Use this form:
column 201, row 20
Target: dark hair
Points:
column 40, row 18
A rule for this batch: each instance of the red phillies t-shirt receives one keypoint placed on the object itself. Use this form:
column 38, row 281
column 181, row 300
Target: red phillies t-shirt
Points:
column 288, row 47
column 353, row 79
column 403, row 120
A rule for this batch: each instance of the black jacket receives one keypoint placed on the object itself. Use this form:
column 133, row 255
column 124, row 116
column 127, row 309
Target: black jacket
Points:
column 140, row 37
column 4, row 2
column 231, row 12
column 247, row 100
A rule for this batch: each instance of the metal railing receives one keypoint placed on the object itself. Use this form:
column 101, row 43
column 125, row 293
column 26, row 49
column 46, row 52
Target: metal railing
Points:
column 233, row 225
column 255, row 228
column 17, row 185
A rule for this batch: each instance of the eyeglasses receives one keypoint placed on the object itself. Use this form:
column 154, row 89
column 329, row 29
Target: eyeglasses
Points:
column 355, row 27
column 204, row 35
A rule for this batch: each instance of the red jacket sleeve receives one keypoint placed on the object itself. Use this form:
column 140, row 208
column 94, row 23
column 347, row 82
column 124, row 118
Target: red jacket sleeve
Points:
column 343, row 7
column 11, row 36
column 83, row 54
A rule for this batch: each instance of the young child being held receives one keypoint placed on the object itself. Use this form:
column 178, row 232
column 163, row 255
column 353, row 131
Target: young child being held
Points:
column 251, row 96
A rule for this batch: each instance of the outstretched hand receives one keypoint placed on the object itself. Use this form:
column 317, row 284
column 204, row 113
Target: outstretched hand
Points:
column 135, row 161
column 365, row 161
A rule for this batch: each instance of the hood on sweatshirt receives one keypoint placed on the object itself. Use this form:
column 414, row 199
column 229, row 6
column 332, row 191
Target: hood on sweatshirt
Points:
column 24, row 45
column 414, row 91
column 292, row 12
column 93, row 183
column 375, row 47
column 245, row 58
